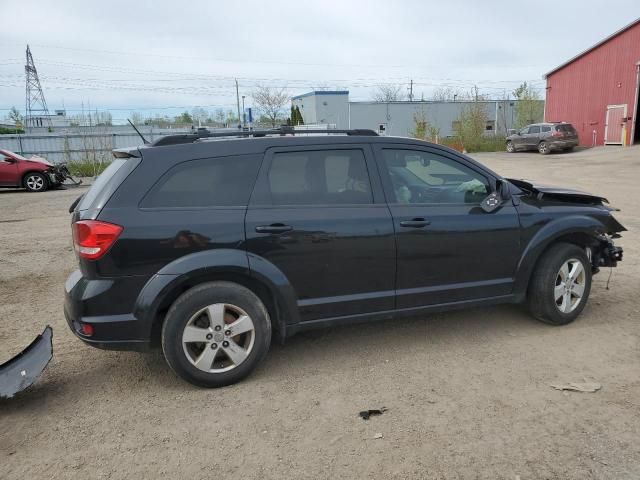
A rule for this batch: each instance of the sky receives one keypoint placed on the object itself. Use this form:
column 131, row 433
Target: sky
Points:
column 164, row 57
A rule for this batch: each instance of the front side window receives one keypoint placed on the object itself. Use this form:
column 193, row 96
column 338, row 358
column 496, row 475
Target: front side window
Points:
column 428, row 178
column 209, row 182
column 535, row 129
column 326, row 177
column 524, row 131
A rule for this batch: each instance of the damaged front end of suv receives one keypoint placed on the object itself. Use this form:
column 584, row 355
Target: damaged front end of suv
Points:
column 565, row 209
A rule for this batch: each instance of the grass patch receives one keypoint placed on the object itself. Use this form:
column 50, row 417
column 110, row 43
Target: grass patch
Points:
column 86, row 168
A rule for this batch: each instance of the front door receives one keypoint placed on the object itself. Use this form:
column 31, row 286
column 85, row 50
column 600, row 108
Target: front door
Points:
column 532, row 137
column 449, row 249
column 614, row 125
column 319, row 216
column 8, row 171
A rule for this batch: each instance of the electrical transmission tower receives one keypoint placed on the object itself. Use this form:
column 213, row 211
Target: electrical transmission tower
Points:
column 37, row 113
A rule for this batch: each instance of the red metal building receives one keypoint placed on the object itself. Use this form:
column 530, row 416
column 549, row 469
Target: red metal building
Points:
column 597, row 90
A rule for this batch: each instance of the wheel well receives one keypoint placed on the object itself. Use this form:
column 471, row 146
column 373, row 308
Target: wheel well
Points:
column 579, row 239
column 263, row 293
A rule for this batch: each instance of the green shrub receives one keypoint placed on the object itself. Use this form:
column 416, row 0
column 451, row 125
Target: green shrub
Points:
column 481, row 144
column 10, row 131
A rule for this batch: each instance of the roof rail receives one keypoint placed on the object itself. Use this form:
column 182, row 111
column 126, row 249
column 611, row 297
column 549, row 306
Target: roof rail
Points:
column 204, row 133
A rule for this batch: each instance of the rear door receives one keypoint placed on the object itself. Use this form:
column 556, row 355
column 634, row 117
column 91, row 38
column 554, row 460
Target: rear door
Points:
column 448, row 248
column 318, row 214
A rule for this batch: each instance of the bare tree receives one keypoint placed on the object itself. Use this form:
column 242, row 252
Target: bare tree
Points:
column 199, row 115
column 388, row 93
column 271, row 101
column 445, row 94
column 220, row 115
column 15, row 116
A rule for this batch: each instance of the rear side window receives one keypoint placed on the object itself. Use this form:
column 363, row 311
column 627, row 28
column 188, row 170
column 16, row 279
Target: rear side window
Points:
column 319, row 177
column 209, row 182
column 546, row 128
column 100, row 183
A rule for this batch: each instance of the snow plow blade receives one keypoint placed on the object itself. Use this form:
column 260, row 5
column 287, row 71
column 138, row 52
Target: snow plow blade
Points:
column 22, row 370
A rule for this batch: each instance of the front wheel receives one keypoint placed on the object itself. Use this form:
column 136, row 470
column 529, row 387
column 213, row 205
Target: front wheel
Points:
column 215, row 334
column 560, row 284
column 510, row 147
column 35, row 182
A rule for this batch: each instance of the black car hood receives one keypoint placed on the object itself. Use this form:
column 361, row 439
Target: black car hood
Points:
column 560, row 193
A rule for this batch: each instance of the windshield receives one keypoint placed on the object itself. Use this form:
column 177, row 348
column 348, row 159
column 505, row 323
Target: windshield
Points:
column 7, row 153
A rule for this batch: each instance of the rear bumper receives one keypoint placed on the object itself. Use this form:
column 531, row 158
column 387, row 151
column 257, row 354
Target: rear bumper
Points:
column 105, row 305
column 561, row 144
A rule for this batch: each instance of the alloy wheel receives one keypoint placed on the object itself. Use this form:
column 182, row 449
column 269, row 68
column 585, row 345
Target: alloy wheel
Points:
column 569, row 286
column 218, row 338
column 35, row 182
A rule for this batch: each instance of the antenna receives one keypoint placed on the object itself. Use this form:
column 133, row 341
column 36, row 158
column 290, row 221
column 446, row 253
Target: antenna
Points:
column 36, row 111
column 146, row 142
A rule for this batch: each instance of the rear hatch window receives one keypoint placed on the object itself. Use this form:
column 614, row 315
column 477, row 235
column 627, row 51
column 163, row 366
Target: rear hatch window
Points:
column 566, row 128
column 107, row 183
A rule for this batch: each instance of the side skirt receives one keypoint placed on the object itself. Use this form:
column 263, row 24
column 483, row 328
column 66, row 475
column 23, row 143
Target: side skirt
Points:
column 396, row 314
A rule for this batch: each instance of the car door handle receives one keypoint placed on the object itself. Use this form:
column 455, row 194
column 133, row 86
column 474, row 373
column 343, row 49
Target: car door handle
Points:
column 274, row 228
column 415, row 223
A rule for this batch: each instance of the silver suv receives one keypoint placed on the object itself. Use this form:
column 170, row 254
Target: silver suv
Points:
column 544, row 137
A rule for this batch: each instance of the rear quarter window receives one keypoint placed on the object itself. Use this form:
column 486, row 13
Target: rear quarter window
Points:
column 101, row 183
column 208, row 182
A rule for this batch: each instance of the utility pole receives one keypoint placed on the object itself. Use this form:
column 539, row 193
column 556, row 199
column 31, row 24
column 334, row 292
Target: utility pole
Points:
column 411, row 91
column 244, row 115
column 238, row 102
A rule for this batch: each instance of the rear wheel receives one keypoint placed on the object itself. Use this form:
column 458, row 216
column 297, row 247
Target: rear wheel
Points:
column 35, row 182
column 543, row 148
column 510, row 147
column 215, row 334
column 560, row 284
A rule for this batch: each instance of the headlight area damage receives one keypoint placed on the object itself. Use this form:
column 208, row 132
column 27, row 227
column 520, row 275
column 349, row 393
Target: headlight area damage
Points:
column 601, row 250
column 22, row 370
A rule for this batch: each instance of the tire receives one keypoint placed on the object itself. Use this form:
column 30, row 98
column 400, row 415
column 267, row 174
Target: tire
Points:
column 35, row 182
column 543, row 148
column 510, row 147
column 190, row 319
column 550, row 297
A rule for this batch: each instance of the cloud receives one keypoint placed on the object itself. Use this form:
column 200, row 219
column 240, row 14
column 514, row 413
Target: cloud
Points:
column 154, row 55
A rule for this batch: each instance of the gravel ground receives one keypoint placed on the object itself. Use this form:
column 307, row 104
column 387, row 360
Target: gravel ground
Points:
column 468, row 393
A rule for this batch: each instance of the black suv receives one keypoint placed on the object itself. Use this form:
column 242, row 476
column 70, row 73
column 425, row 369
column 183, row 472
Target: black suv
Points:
column 211, row 246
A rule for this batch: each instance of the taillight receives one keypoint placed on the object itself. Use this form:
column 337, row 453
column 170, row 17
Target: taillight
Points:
column 92, row 238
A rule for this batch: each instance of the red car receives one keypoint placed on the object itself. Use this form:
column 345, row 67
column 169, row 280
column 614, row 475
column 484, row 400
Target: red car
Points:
column 35, row 174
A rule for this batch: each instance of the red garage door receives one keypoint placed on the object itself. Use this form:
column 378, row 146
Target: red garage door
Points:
column 613, row 125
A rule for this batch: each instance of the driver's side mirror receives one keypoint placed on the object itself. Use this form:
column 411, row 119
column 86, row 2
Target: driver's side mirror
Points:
column 491, row 202
column 8, row 159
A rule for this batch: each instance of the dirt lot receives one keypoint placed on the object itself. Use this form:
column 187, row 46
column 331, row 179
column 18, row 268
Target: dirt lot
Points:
column 468, row 392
